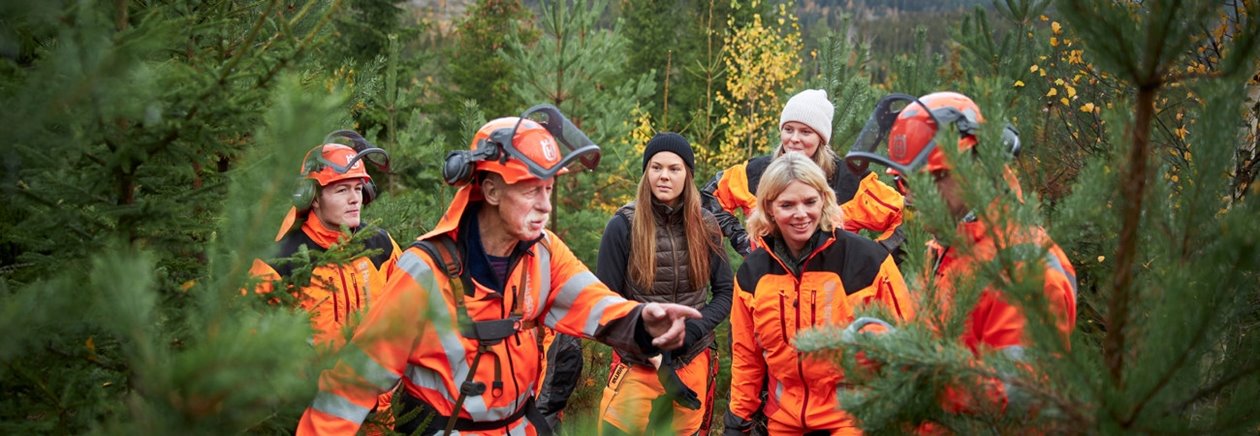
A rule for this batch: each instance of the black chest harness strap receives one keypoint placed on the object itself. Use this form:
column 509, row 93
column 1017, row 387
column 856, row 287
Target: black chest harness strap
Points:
column 450, row 258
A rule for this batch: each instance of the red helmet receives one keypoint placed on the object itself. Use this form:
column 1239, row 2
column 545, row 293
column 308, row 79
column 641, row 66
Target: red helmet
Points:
column 522, row 148
column 910, row 126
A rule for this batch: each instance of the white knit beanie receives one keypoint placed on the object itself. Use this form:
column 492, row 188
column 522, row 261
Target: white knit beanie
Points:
column 812, row 108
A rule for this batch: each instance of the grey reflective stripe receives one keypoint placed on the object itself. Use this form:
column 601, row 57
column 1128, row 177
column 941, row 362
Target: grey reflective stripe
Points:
column 367, row 367
column 829, row 299
column 778, row 393
column 1016, row 397
column 422, row 274
column 340, row 407
column 448, row 337
column 1015, row 352
column 568, row 295
column 544, row 278
column 597, row 313
column 429, row 379
column 519, row 428
column 1053, row 261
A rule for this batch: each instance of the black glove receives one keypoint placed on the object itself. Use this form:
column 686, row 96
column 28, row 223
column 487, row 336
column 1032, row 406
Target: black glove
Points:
column 736, row 426
column 674, row 386
column 893, row 243
column 739, row 241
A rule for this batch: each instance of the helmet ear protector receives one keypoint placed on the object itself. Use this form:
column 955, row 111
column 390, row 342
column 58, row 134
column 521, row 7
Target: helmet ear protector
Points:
column 523, row 144
column 901, row 107
column 319, row 170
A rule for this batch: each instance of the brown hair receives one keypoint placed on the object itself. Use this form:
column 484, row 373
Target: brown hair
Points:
column 701, row 235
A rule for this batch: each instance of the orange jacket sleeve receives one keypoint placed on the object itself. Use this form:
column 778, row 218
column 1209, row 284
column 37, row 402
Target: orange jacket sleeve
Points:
column 578, row 304
column 733, row 192
column 748, row 367
column 377, row 356
column 875, row 206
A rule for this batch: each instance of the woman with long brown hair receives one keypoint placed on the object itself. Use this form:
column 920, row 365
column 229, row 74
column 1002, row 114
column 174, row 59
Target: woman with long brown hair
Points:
column 664, row 247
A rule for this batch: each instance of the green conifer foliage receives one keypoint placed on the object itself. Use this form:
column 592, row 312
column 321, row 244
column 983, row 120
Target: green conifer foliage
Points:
column 1166, row 256
column 577, row 65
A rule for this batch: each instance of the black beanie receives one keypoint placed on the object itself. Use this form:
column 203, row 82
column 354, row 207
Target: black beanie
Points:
column 673, row 143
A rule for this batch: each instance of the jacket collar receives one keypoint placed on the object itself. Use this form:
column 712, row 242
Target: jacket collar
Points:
column 321, row 234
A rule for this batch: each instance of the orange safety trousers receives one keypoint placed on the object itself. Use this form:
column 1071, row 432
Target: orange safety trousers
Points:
column 631, row 390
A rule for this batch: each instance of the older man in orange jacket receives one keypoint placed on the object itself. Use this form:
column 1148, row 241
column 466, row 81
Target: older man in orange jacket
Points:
column 458, row 328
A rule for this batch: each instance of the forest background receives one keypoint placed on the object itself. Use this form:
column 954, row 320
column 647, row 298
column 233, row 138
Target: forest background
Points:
column 151, row 150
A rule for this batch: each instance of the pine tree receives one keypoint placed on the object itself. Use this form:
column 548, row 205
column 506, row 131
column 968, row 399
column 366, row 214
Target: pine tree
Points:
column 153, row 151
column 577, row 66
column 1166, row 251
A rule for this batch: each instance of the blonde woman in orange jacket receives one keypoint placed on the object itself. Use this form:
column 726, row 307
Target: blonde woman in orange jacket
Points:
column 806, row 273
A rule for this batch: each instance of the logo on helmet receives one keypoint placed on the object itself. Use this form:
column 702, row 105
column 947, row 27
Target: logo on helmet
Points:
column 897, row 149
column 549, row 150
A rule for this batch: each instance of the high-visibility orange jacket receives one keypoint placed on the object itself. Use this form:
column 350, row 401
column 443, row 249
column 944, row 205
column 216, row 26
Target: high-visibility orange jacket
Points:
column 413, row 333
column 866, row 202
column 773, row 302
column 996, row 324
column 336, row 291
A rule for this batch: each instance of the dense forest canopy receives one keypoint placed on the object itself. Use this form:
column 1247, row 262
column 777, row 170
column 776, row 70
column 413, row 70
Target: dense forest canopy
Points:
column 152, row 149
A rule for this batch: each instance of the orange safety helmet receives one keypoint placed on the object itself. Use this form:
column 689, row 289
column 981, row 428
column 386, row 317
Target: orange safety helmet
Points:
column 333, row 162
column 910, row 126
column 521, row 148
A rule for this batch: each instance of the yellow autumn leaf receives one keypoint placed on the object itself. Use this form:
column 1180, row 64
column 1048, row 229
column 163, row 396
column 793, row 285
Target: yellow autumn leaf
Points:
column 1044, row 18
column 1053, row 92
column 1033, row 68
column 1058, row 82
column 1065, row 101
column 1181, row 133
column 1055, row 27
column 1071, row 92
column 1042, row 73
column 1019, row 83
column 1174, row 178
column 1087, row 107
column 1054, row 42
column 1101, row 258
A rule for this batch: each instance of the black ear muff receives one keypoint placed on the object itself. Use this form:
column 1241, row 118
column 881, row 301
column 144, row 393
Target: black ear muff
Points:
column 369, row 192
column 458, row 169
column 1010, row 139
column 459, row 166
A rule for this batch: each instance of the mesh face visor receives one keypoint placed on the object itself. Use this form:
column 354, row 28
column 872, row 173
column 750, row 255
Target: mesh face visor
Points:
column 364, row 151
column 877, row 132
column 579, row 152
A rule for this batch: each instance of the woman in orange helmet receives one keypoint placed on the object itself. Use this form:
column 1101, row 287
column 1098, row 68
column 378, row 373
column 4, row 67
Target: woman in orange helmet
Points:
column 805, row 273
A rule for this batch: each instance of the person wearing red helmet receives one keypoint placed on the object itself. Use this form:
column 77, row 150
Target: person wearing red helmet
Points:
column 910, row 127
column 334, row 188
column 805, row 127
column 457, row 328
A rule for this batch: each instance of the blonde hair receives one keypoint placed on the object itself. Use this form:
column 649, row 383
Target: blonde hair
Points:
column 824, row 157
column 791, row 167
